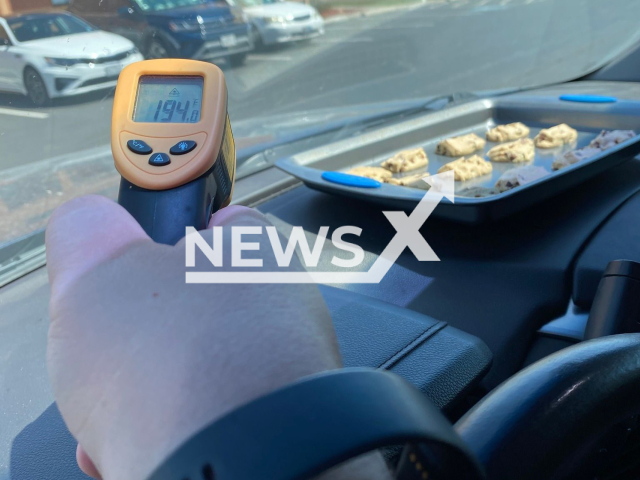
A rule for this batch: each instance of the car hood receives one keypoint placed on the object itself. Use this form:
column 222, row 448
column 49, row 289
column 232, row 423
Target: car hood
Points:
column 81, row 45
column 206, row 11
column 280, row 9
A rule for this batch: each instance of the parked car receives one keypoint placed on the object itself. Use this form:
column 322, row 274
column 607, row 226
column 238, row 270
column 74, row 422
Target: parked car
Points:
column 199, row 29
column 276, row 21
column 38, row 60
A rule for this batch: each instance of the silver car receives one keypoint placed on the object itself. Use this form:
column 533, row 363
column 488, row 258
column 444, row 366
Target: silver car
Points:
column 280, row 21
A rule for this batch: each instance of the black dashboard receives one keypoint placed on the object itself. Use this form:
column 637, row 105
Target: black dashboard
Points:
column 500, row 281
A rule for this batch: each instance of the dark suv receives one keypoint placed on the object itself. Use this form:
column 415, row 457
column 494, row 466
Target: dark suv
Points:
column 199, row 29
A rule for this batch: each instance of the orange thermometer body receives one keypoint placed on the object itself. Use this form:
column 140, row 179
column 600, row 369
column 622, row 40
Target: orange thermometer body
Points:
column 172, row 143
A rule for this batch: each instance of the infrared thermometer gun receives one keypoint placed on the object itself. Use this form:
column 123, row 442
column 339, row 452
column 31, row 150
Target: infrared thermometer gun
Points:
column 172, row 143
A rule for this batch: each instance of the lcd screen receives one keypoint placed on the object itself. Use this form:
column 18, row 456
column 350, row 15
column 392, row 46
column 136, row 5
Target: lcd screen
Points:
column 168, row 99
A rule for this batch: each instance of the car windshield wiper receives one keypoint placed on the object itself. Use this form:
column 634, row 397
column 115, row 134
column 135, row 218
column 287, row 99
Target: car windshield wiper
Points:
column 431, row 104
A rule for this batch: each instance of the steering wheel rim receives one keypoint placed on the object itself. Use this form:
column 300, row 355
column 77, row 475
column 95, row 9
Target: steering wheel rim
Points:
column 543, row 422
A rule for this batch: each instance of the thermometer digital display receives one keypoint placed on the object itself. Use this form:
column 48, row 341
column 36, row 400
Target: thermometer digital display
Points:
column 168, row 99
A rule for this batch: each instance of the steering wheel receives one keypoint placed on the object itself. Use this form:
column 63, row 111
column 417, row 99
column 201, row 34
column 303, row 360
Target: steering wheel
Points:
column 544, row 422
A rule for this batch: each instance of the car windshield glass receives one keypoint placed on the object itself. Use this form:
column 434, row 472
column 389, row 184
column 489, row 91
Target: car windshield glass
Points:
column 159, row 5
column 299, row 74
column 43, row 26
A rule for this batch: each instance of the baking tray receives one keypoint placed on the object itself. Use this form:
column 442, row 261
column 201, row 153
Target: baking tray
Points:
column 371, row 148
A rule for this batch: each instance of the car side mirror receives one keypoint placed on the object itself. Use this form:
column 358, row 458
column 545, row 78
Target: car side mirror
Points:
column 5, row 42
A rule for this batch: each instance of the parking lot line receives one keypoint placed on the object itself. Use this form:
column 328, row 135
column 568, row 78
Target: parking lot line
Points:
column 23, row 113
column 273, row 58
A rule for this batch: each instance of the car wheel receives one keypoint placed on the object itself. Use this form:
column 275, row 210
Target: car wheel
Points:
column 36, row 88
column 237, row 60
column 157, row 49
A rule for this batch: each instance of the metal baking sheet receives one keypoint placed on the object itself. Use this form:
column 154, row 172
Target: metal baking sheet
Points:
column 373, row 148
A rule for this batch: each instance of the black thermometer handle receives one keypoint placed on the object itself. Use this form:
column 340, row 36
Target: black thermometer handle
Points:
column 165, row 214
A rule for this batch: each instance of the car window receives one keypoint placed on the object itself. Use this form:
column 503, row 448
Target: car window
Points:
column 44, row 26
column 4, row 36
column 292, row 68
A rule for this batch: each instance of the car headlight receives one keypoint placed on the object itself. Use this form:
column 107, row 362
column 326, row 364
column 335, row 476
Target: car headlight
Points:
column 61, row 62
column 184, row 26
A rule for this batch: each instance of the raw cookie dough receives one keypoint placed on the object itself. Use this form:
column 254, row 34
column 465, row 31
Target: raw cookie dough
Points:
column 410, row 181
column 606, row 140
column 516, row 152
column 375, row 173
column 504, row 133
column 467, row 168
column 406, row 160
column 574, row 156
column 555, row 136
column 479, row 192
column 519, row 176
column 463, row 145
column 610, row 138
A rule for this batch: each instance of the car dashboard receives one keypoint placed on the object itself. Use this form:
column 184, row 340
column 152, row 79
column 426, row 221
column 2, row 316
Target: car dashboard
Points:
column 504, row 294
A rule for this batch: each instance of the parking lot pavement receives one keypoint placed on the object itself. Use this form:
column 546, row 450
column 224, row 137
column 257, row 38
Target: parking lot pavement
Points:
column 263, row 66
column 76, row 124
column 440, row 48
column 30, row 135
column 436, row 47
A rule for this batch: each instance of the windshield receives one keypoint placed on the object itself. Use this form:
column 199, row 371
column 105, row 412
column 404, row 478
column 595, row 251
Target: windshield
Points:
column 159, row 5
column 35, row 27
column 312, row 68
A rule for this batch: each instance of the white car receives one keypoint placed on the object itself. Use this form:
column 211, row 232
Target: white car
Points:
column 278, row 22
column 38, row 60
